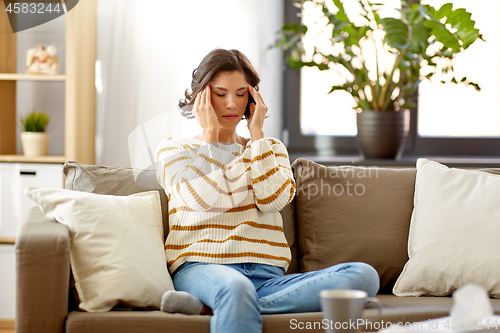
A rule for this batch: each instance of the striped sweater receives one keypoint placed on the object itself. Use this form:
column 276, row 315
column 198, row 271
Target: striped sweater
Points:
column 224, row 201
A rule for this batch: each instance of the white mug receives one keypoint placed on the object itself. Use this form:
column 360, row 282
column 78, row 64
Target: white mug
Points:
column 343, row 309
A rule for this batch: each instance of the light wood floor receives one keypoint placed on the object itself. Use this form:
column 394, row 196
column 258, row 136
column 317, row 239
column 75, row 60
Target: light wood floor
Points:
column 3, row 330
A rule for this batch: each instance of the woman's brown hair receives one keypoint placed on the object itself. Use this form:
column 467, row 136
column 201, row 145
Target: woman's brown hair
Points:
column 215, row 62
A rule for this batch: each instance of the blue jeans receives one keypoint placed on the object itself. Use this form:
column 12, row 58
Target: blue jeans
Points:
column 239, row 293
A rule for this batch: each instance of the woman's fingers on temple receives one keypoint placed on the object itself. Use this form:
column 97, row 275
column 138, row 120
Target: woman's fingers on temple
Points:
column 261, row 100
column 207, row 97
column 259, row 96
column 256, row 95
column 197, row 101
column 202, row 98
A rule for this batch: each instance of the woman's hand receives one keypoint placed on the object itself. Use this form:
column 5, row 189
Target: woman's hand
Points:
column 205, row 113
column 257, row 115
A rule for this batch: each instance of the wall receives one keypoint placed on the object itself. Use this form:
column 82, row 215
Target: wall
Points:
column 147, row 51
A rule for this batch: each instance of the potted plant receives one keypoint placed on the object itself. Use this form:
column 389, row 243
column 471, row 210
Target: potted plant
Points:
column 34, row 139
column 417, row 44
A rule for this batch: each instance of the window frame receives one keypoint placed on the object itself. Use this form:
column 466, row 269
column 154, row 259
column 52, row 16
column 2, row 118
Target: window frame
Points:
column 323, row 145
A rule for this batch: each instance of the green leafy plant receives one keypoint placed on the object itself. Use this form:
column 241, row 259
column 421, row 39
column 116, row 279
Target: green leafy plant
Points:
column 35, row 122
column 421, row 41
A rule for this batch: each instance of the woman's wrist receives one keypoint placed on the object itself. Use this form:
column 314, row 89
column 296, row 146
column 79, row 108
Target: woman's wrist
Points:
column 256, row 135
column 211, row 135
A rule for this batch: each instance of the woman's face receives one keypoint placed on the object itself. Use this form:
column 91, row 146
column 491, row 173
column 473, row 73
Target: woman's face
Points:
column 229, row 97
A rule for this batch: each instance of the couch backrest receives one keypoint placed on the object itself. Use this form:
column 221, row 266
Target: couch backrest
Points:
column 354, row 213
column 339, row 214
column 322, row 229
column 126, row 181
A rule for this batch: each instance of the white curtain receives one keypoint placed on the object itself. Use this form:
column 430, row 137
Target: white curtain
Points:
column 147, row 51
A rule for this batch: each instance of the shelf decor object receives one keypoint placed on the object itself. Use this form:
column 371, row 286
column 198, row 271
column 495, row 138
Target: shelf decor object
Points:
column 34, row 139
column 41, row 60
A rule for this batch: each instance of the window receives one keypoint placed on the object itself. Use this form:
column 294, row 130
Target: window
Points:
column 465, row 112
column 449, row 119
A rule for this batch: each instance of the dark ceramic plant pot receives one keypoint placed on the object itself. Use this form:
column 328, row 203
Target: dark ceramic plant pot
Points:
column 382, row 134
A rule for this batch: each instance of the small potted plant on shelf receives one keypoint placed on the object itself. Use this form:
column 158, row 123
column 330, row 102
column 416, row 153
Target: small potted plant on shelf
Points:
column 419, row 43
column 34, row 139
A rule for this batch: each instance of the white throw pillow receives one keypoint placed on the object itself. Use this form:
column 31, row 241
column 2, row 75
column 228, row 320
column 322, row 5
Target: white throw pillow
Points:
column 454, row 232
column 117, row 253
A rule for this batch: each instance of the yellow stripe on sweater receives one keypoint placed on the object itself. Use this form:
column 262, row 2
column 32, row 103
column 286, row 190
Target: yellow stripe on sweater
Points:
column 266, row 175
column 214, row 209
column 204, row 176
column 263, row 156
column 264, row 201
column 195, row 195
column 276, row 194
column 176, row 227
column 211, row 160
column 195, row 169
column 229, row 255
column 235, row 238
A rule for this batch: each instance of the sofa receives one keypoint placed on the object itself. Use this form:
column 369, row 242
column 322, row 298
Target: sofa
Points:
column 339, row 214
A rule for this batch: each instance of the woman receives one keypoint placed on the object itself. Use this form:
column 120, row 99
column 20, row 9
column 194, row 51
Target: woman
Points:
column 226, row 246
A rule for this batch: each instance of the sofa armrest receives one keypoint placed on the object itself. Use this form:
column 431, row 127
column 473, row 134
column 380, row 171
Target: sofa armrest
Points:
column 42, row 274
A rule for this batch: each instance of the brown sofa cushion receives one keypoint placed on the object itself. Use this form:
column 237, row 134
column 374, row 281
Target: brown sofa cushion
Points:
column 121, row 181
column 351, row 213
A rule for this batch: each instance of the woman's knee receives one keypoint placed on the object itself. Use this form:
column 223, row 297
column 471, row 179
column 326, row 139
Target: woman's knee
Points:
column 368, row 278
column 238, row 289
